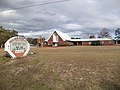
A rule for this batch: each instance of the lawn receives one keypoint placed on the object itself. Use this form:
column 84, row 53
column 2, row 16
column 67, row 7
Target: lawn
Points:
column 63, row 68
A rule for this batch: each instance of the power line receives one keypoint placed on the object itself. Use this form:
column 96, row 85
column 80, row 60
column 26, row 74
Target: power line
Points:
column 46, row 3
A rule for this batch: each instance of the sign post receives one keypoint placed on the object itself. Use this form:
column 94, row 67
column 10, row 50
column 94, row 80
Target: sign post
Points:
column 17, row 47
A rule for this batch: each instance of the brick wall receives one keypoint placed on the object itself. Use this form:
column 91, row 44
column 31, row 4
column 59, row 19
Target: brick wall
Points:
column 86, row 43
column 107, row 42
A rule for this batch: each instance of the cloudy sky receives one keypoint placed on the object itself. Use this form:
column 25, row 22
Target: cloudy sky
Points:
column 77, row 18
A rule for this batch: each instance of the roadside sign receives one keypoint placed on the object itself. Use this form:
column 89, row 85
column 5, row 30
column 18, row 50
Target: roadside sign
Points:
column 17, row 47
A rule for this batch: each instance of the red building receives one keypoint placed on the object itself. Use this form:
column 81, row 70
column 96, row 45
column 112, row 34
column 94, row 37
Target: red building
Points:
column 57, row 38
column 60, row 38
column 41, row 41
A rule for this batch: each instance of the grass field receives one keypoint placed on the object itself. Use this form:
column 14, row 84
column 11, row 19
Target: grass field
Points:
column 63, row 68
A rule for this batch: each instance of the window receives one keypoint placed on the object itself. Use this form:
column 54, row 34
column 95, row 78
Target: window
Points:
column 55, row 37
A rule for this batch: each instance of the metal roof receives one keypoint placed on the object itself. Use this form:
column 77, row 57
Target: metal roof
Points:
column 64, row 36
column 91, row 39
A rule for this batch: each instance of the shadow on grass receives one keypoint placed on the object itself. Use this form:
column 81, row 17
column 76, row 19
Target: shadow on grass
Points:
column 3, row 58
column 108, row 85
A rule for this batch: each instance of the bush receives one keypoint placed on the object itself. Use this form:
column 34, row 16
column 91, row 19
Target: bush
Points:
column 95, row 43
column 65, row 44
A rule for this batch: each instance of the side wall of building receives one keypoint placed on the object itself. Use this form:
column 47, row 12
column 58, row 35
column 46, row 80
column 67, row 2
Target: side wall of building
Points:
column 102, row 42
column 107, row 42
column 50, row 41
column 60, row 40
column 86, row 43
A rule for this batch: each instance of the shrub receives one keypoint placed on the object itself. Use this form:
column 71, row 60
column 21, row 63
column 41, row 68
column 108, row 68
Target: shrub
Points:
column 95, row 43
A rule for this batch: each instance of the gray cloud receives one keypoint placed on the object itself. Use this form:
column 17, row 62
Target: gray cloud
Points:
column 75, row 17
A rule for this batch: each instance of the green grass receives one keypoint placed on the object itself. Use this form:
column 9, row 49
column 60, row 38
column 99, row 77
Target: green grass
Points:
column 63, row 68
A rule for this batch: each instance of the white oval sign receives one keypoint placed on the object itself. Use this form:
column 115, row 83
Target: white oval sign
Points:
column 17, row 47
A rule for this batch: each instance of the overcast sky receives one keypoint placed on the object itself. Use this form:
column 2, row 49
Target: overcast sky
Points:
column 77, row 18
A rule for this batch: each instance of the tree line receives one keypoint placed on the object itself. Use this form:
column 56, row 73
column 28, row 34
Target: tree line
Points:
column 105, row 33
column 5, row 34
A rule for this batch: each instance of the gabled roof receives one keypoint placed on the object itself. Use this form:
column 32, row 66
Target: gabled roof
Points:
column 64, row 36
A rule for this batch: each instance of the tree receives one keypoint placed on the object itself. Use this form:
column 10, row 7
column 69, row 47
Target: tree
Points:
column 32, row 41
column 117, row 35
column 35, row 41
column 92, row 36
column 104, row 33
column 5, row 34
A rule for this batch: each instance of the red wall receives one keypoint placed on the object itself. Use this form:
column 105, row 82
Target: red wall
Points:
column 50, row 41
column 107, row 42
column 86, row 43
column 60, row 41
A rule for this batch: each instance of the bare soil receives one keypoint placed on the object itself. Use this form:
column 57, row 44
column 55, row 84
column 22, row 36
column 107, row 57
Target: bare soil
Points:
column 63, row 68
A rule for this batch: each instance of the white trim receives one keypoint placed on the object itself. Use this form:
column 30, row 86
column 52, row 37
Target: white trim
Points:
column 92, row 39
column 27, row 50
